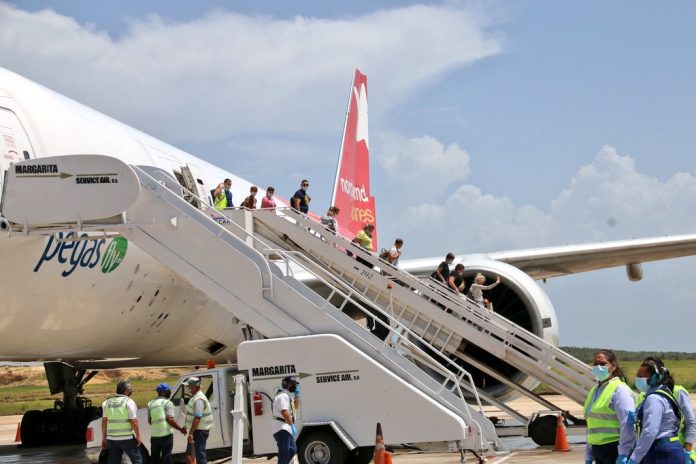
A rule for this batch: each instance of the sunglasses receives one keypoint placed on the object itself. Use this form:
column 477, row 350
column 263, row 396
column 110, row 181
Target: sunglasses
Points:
column 305, row 185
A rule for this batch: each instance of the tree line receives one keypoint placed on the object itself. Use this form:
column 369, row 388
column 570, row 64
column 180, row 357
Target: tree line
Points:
column 586, row 354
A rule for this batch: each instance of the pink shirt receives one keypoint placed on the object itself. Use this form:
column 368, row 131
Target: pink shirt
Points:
column 268, row 202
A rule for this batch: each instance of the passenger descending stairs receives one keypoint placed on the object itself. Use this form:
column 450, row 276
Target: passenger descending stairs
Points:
column 445, row 321
column 186, row 239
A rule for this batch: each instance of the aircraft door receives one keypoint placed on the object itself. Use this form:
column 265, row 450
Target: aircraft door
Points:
column 194, row 182
column 14, row 143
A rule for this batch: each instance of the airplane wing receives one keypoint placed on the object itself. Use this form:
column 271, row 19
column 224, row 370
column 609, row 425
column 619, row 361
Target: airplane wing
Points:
column 542, row 263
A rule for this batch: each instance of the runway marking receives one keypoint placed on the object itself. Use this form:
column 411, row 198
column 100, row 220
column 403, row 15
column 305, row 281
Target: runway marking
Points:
column 506, row 457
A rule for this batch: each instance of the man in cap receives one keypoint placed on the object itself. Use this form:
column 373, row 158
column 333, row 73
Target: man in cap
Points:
column 284, row 429
column 160, row 416
column 120, row 431
column 199, row 419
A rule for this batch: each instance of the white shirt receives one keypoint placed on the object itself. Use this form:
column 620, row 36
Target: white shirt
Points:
column 281, row 402
column 132, row 414
column 393, row 251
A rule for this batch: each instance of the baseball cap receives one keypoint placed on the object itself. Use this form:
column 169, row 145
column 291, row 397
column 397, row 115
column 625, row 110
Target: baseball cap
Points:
column 163, row 387
column 193, row 382
column 291, row 379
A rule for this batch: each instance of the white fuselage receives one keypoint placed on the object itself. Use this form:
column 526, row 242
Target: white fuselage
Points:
column 67, row 300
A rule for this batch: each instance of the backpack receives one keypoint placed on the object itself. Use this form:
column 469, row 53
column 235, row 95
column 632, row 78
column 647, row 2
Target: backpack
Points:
column 384, row 254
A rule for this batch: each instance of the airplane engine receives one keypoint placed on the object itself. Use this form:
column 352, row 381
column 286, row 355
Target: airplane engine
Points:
column 521, row 300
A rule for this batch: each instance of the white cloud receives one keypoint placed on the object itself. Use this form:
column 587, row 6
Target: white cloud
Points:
column 607, row 199
column 409, row 161
column 227, row 73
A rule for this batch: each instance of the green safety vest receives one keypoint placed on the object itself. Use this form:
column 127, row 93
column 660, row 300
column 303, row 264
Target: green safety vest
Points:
column 118, row 424
column 602, row 423
column 206, row 422
column 158, row 418
column 682, row 424
column 220, row 201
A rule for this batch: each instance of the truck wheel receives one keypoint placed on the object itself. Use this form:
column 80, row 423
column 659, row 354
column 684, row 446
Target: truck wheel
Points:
column 543, row 430
column 32, row 428
column 321, row 447
column 361, row 455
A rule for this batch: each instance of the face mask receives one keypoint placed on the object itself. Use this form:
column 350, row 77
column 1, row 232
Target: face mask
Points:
column 601, row 373
column 269, row 195
column 227, row 189
column 304, row 189
column 642, row 384
column 253, row 194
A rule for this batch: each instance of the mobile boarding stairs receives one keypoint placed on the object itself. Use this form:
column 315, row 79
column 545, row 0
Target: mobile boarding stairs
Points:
column 422, row 327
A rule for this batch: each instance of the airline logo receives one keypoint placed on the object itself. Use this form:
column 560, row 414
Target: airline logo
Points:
column 356, row 193
column 83, row 254
column 352, row 189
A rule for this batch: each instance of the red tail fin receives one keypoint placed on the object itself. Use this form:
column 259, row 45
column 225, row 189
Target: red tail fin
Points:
column 352, row 188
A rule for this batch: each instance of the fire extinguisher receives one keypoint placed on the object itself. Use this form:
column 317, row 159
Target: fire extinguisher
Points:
column 258, row 403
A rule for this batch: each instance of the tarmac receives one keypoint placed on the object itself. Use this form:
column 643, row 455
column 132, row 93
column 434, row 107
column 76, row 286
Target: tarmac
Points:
column 522, row 450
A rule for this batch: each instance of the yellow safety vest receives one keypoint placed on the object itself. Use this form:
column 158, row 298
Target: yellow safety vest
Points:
column 220, row 201
column 602, row 423
column 116, row 411
column 158, row 418
column 206, row 422
column 682, row 424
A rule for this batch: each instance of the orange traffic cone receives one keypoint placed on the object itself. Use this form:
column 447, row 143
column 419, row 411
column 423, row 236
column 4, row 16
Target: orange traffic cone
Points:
column 18, row 435
column 561, row 439
column 379, row 446
column 387, row 458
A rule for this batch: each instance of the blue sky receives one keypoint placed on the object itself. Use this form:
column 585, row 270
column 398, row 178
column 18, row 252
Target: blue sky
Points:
column 493, row 125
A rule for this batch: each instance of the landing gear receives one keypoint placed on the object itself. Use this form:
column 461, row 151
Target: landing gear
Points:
column 67, row 421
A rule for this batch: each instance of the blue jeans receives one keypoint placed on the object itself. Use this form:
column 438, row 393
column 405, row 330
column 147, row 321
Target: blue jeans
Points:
column 664, row 451
column 200, row 438
column 161, row 449
column 606, row 454
column 286, row 446
column 116, row 449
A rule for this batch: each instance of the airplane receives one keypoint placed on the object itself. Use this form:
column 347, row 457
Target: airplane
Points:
column 86, row 302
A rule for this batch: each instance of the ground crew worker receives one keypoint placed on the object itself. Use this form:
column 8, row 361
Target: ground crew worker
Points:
column 199, row 419
column 284, row 428
column 222, row 197
column 120, row 430
column 160, row 416
column 608, row 409
column 687, row 424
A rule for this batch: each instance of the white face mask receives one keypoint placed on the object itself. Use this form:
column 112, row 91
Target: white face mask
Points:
column 269, row 195
column 253, row 194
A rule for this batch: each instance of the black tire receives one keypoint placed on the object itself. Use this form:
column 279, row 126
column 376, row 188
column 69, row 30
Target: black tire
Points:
column 321, row 447
column 32, row 428
column 361, row 455
column 543, row 430
column 51, row 426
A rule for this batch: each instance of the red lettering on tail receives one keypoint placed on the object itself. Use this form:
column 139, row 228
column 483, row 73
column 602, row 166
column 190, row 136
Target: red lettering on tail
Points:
column 352, row 188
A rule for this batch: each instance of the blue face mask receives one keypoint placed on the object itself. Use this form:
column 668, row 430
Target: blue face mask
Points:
column 642, row 384
column 601, row 373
